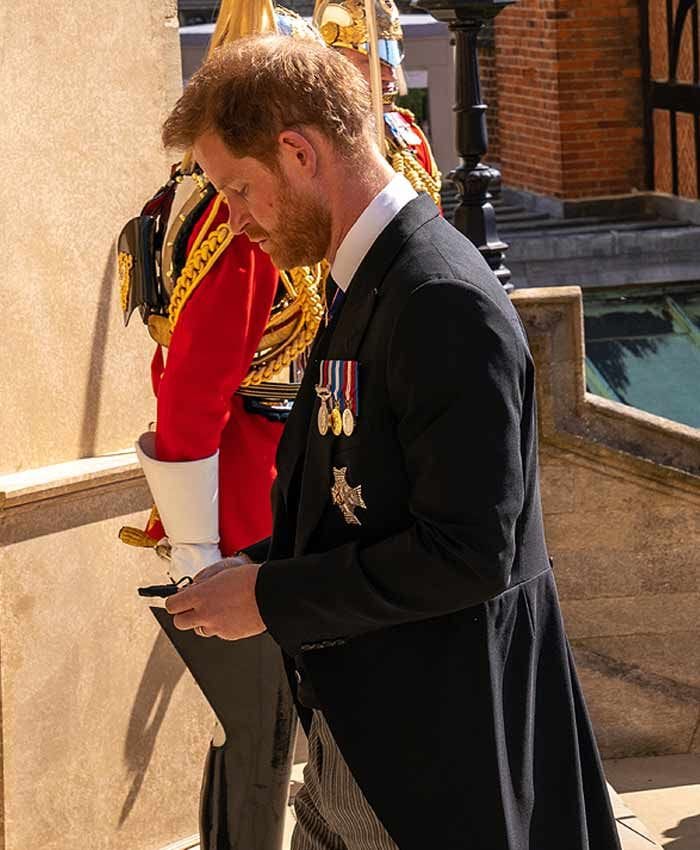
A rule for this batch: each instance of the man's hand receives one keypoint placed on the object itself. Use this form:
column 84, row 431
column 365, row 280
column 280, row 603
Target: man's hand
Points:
column 223, row 605
column 224, row 564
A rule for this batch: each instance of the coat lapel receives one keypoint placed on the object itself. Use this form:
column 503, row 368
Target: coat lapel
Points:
column 343, row 344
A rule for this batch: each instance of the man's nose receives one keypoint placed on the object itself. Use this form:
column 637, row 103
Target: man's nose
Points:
column 238, row 216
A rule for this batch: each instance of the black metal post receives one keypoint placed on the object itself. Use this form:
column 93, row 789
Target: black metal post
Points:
column 474, row 216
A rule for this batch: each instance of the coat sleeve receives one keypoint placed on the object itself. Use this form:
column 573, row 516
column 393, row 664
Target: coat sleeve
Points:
column 455, row 378
column 211, row 350
column 257, row 552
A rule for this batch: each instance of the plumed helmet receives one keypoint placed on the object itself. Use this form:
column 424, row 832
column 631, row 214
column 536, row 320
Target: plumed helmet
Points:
column 240, row 18
column 293, row 25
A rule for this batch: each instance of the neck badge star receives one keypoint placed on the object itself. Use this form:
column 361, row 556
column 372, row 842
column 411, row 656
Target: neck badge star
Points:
column 346, row 497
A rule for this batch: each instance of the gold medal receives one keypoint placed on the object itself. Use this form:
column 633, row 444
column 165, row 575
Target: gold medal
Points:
column 323, row 419
column 336, row 422
column 348, row 422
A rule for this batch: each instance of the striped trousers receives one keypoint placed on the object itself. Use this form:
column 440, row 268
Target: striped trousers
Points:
column 331, row 810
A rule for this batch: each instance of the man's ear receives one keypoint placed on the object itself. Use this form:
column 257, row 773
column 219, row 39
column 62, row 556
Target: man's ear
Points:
column 298, row 153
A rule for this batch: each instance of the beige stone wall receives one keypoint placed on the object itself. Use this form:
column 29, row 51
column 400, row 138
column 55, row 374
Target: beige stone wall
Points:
column 626, row 560
column 621, row 496
column 103, row 730
column 83, row 89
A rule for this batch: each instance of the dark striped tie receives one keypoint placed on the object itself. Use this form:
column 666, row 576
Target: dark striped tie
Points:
column 334, row 297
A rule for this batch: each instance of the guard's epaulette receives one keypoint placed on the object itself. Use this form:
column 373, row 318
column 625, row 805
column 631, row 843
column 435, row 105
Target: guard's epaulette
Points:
column 180, row 234
column 403, row 155
column 407, row 113
column 401, row 132
column 434, row 170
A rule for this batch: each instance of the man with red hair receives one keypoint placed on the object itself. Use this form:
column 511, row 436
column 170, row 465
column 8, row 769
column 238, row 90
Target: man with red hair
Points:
column 407, row 580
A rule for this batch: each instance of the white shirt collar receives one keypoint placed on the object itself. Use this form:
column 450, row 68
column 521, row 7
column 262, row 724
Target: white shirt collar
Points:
column 364, row 232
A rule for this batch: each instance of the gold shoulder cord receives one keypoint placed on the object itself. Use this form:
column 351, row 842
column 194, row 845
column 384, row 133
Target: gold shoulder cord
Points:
column 291, row 327
column 206, row 250
column 404, row 161
column 216, row 206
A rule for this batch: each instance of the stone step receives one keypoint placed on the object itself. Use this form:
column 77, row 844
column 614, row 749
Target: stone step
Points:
column 517, row 222
column 634, row 835
column 582, row 225
column 521, row 215
column 565, row 246
column 505, row 209
column 664, row 792
column 626, row 244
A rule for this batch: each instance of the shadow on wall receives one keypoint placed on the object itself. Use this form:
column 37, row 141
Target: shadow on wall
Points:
column 686, row 836
column 163, row 671
column 92, row 397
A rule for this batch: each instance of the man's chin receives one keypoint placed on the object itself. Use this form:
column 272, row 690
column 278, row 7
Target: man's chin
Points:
column 291, row 260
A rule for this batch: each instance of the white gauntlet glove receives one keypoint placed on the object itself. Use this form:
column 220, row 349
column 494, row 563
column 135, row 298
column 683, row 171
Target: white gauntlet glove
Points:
column 187, row 497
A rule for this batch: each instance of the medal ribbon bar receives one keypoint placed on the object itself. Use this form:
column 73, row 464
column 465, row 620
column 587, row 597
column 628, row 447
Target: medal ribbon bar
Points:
column 338, row 391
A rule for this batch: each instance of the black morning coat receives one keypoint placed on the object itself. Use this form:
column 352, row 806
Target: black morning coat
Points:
column 431, row 633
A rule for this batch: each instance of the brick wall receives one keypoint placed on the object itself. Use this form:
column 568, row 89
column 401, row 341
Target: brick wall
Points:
column 570, row 97
column 489, row 89
column 526, row 59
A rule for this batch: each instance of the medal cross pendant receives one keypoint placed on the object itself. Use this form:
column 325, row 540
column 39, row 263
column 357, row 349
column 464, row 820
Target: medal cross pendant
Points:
column 347, row 498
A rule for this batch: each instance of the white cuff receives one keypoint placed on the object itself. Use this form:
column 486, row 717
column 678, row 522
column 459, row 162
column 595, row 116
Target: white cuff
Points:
column 186, row 494
column 187, row 559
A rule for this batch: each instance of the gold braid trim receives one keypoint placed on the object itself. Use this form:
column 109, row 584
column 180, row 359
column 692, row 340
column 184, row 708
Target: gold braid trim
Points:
column 215, row 207
column 198, row 264
column 404, row 161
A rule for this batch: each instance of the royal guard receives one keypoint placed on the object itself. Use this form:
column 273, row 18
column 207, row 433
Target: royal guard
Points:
column 231, row 333
column 344, row 26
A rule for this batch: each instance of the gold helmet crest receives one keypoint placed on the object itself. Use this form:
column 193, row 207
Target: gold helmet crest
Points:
column 344, row 24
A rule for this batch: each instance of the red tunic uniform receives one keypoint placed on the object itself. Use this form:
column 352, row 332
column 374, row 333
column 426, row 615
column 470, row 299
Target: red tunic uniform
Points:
column 421, row 150
column 212, row 347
